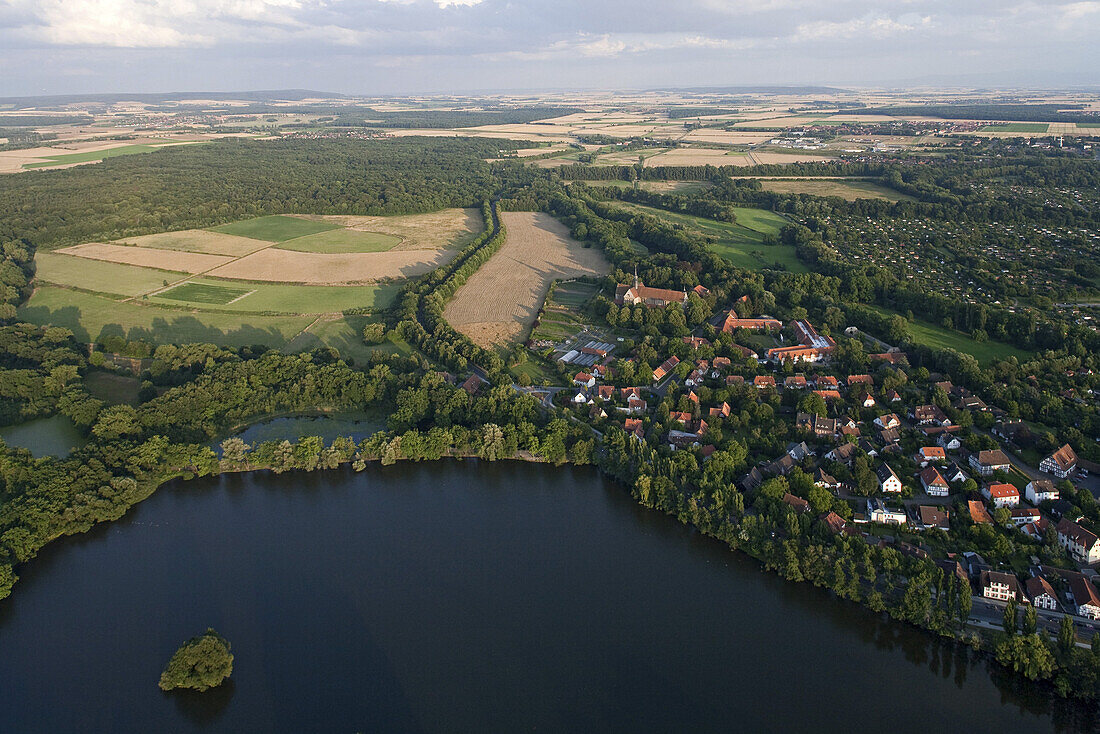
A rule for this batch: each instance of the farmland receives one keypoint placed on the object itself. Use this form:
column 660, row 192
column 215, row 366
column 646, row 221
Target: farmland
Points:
column 1016, row 127
column 234, row 295
column 501, row 300
column 561, row 317
column 342, row 241
column 101, row 276
column 93, row 156
column 849, row 190
column 741, row 242
column 275, row 228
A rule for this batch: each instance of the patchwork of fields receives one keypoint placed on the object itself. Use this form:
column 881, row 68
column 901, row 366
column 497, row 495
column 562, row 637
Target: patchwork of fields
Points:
column 501, row 300
column 261, row 280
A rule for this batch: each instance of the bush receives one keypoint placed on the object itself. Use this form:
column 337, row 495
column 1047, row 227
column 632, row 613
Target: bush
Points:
column 201, row 663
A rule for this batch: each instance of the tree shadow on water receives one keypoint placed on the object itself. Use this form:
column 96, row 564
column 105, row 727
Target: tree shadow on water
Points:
column 205, row 708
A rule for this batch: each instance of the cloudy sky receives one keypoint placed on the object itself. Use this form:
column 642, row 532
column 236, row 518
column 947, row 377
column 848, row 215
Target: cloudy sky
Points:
column 420, row 46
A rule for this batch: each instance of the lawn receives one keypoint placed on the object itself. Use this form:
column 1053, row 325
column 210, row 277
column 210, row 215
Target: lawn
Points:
column 1016, row 127
column 276, row 297
column 340, row 241
column 99, row 275
column 89, row 316
column 741, row 242
column 275, row 228
column 94, row 155
column 195, row 292
column 937, row 337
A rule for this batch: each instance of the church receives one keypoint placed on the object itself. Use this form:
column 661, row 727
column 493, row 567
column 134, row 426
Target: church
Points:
column 631, row 295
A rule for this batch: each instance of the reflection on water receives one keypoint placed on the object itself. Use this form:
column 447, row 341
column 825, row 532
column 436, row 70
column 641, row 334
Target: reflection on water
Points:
column 469, row 597
column 327, row 427
column 53, row 436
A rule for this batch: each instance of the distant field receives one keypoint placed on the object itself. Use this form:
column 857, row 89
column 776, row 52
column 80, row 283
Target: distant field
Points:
column 339, row 241
column 89, row 316
column 275, row 228
column 1016, row 127
column 501, row 300
column 188, row 262
column 198, row 240
column 100, row 276
column 931, row 335
column 1088, row 125
column 235, row 295
column 742, row 243
column 92, row 155
column 849, row 190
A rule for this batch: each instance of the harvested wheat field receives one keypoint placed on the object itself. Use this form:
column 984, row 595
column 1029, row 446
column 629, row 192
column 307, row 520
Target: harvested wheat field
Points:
column 198, row 240
column 187, row 262
column 499, row 303
column 449, row 229
column 694, row 157
column 290, row 266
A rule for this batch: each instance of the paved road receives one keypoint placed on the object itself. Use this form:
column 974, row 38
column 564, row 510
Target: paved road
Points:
column 991, row 612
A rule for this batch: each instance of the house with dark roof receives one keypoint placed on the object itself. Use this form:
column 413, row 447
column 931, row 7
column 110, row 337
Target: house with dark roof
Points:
column 933, row 483
column 799, row 505
column 933, row 517
column 1081, row 544
column 1041, row 594
column 1041, row 490
column 1085, row 598
column 987, row 462
column 888, row 481
column 1000, row 586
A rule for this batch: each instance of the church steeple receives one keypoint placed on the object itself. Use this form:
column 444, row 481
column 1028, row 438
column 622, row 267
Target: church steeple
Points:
column 636, row 276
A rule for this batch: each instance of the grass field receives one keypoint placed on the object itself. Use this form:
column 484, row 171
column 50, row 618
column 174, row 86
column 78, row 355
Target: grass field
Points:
column 930, row 335
column 345, row 334
column 193, row 292
column 93, row 155
column 275, row 228
column 848, row 190
column 198, row 240
column 339, row 241
column 99, row 275
column 231, row 295
column 186, row 262
column 742, row 243
column 1016, row 127
column 1088, row 125
column 89, row 316
column 111, row 388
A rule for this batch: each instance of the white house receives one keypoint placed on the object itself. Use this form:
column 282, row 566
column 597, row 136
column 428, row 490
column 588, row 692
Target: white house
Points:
column 1061, row 463
column 887, row 480
column 948, row 442
column 987, row 462
column 877, row 511
column 1002, row 495
column 1000, row 586
column 1085, row 597
column 1081, row 544
column 1041, row 594
column 1040, row 490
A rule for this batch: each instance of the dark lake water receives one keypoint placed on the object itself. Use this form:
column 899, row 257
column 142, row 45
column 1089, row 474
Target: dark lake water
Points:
column 53, row 436
column 462, row 597
column 292, row 428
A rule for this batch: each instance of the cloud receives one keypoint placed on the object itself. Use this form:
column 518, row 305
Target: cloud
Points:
column 876, row 27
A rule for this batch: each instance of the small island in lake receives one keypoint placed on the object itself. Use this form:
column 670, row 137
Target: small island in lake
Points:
column 201, row 663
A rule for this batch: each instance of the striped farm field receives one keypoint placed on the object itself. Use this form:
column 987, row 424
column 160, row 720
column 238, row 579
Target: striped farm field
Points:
column 100, row 276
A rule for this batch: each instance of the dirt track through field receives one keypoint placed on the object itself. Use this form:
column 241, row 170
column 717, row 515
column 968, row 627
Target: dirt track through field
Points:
column 499, row 303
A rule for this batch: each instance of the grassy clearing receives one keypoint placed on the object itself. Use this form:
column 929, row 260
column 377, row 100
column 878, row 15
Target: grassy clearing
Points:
column 89, row 316
column 340, row 241
column 194, row 292
column 276, row 297
column 848, row 190
column 345, row 335
column 94, row 155
column 275, row 228
column 113, row 389
column 938, row 337
column 742, row 243
column 99, row 275
column 1016, row 127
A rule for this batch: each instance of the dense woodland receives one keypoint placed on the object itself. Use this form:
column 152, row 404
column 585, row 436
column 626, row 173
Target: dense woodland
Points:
column 199, row 393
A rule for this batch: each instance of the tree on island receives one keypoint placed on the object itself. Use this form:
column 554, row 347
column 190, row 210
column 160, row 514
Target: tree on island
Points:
column 201, row 663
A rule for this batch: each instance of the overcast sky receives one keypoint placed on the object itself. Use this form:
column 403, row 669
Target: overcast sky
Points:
column 420, row 46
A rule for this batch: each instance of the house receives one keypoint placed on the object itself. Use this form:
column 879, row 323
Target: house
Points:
column 639, row 293
column 596, row 412
column 1041, row 594
column 933, row 517
column 781, row 466
column 833, row 522
column 734, row 380
column 948, row 442
column 868, row 401
column 752, row 480
column 975, row 564
column 827, row 382
column 583, row 379
column 630, row 392
column 930, row 454
column 889, row 435
column 473, row 385
column 799, row 451
column 695, row 341
column 721, row 362
column 605, row 392
column 877, row 511
column 1061, row 463
column 987, row 462
column 952, row 566
column 978, row 513
column 1025, row 516
column 933, row 483
column 812, row 347
column 864, row 380
column 1001, row 495
column 635, row 405
column 889, row 420
column 954, row 474
column 887, row 480
column 579, row 399
column 733, row 323
column 1085, row 598
column 1000, row 586
column 867, row 447
column 795, row 382
column 1079, row 542
column 844, row 453
column 893, row 396
column 829, row 394
column 1036, row 530
column 633, row 426
column 743, row 351
column 821, row 427
column 763, row 382
column 680, row 416
column 665, row 369
column 799, row 505
column 825, row 481
column 701, row 291
column 722, row 411
column 971, row 402
column 924, row 415
column 1040, row 490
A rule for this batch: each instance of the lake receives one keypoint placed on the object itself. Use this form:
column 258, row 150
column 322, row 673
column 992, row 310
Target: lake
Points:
column 53, row 436
column 463, row 597
column 328, row 427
